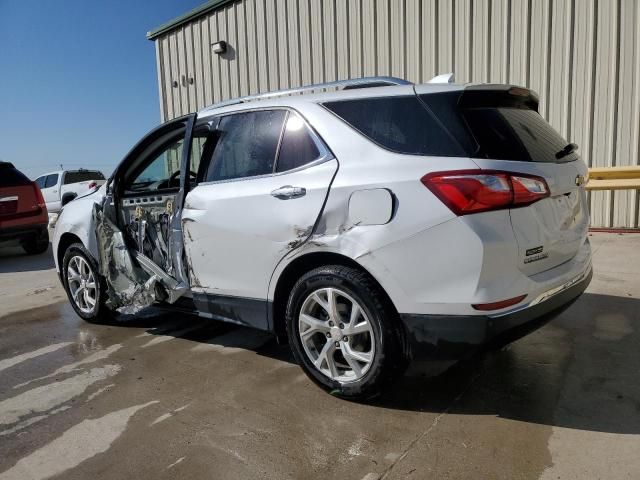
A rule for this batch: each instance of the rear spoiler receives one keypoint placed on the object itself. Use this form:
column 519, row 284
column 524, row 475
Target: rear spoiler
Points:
column 487, row 95
column 495, row 96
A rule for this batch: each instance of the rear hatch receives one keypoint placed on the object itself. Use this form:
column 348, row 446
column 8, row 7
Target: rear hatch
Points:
column 19, row 196
column 499, row 126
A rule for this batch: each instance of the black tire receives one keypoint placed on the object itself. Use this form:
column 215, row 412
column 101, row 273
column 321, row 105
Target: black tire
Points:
column 37, row 244
column 389, row 362
column 100, row 313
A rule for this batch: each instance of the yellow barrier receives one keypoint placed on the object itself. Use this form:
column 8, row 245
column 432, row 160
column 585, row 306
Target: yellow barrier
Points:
column 614, row 178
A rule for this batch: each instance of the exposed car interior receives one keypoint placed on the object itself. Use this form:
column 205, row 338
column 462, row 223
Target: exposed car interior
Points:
column 150, row 186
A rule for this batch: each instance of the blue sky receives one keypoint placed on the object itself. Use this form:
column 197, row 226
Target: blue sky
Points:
column 78, row 80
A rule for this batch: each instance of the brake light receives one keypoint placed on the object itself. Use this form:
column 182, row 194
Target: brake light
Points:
column 92, row 185
column 38, row 194
column 475, row 191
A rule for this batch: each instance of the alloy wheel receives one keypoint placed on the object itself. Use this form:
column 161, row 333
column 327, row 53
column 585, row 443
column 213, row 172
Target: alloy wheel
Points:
column 82, row 284
column 336, row 334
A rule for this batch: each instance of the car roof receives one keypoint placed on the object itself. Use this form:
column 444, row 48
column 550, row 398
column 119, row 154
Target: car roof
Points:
column 294, row 100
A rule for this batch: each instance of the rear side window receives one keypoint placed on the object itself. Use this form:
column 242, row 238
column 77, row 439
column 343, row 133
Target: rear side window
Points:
column 51, row 180
column 400, row 124
column 11, row 177
column 40, row 181
column 82, row 176
column 247, row 145
column 298, row 147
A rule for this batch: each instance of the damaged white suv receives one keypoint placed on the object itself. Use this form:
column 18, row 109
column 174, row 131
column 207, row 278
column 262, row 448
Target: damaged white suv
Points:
column 378, row 223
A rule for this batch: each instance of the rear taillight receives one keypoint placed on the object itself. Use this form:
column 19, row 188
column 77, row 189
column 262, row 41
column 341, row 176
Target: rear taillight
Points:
column 38, row 195
column 92, row 185
column 474, row 191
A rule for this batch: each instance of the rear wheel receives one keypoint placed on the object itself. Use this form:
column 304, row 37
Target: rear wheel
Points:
column 37, row 244
column 343, row 333
column 85, row 287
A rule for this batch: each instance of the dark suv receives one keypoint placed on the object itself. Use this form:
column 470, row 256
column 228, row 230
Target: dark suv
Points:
column 23, row 213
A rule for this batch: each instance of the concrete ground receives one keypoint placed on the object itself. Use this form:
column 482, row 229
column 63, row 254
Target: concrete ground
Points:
column 161, row 396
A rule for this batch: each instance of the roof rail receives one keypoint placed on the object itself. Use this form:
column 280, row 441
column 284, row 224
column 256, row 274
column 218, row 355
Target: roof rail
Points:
column 364, row 82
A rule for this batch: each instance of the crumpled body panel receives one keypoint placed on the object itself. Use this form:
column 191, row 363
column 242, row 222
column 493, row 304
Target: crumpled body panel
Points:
column 129, row 287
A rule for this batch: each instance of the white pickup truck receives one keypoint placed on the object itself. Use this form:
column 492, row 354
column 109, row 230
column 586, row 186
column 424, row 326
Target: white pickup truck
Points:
column 59, row 188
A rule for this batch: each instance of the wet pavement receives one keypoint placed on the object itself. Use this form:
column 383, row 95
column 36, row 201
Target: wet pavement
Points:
column 172, row 396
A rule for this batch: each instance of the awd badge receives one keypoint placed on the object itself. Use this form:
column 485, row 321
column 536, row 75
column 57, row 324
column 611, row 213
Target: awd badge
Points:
column 535, row 254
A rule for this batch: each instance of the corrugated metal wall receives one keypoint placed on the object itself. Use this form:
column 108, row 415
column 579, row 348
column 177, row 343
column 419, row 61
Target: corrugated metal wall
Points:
column 581, row 56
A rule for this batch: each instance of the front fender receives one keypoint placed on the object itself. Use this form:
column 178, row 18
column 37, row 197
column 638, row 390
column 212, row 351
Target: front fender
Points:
column 77, row 218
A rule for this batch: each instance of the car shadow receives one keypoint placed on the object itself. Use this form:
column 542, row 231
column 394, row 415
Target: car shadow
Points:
column 160, row 321
column 579, row 371
column 14, row 259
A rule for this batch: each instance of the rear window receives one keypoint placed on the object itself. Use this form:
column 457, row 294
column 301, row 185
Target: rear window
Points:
column 82, row 176
column 474, row 123
column 503, row 126
column 11, row 177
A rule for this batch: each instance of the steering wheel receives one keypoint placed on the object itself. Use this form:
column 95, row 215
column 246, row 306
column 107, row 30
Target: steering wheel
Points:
column 176, row 174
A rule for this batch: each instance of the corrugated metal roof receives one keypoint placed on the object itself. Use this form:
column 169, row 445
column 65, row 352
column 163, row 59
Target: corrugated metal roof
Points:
column 196, row 12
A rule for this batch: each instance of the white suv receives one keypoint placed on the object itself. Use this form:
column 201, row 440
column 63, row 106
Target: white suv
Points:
column 372, row 225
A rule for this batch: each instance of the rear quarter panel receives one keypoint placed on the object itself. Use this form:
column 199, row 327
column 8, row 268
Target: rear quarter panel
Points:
column 364, row 166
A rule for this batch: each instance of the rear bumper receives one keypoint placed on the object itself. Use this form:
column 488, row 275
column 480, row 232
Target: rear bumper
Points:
column 452, row 337
column 23, row 232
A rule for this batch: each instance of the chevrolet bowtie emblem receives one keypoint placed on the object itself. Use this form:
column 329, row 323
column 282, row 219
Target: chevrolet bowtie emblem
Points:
column 579, row 180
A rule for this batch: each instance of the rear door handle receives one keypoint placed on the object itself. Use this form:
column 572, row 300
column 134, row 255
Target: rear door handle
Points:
column 288, row 192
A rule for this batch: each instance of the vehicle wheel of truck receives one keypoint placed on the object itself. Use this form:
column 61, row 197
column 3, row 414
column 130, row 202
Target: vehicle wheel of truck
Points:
column 85, row 287
column 36, row 245
column 344, row 333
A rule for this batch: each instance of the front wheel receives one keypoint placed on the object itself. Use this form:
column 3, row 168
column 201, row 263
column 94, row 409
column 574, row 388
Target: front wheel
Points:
column 84, row 286
column 343, row 332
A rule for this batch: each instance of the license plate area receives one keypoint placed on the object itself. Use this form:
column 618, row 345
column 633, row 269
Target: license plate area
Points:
column 8, row 205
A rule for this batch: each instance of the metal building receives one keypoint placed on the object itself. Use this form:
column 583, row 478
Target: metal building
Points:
column 581, row 56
